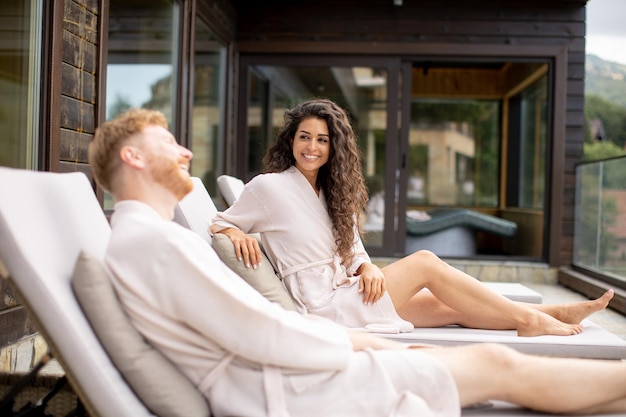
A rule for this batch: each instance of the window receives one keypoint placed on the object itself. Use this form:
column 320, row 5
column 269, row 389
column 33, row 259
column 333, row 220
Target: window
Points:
column 141, row 67
column 454, row 150
column 532, row 146
column 207, row 119
column 258, row 134
column 20, row 75
column 434, row 134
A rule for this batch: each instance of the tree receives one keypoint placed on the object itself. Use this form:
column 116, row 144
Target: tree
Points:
column 602, row 150
column 612, row 116
column 119, row 106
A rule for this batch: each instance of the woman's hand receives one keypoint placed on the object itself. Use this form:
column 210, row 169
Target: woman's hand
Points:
column 372, row 282
column 247, row 247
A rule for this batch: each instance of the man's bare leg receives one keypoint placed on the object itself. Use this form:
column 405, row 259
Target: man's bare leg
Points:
column 555, row 385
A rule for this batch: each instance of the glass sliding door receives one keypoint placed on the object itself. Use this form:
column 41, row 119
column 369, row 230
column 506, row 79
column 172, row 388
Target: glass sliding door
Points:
column 208, row 107
column 454, row 151
column 466, row 135
column 20, row 82
column 360, row 87
column 477, row 141
column 142, row 56
column 532, row 133
column 526, row 166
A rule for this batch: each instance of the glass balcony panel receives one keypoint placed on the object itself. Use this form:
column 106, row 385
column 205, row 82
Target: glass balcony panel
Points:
column 600, row 218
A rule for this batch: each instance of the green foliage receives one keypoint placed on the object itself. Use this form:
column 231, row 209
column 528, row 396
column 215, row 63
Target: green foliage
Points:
column 612, row 115
column 119, row 106
column 605, row 100
column 602, row 150
column 482, row 116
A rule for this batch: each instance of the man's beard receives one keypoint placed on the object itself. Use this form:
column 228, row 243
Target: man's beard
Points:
column 168, row 173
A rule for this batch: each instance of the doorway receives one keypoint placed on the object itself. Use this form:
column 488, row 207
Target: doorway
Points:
column 453, row 134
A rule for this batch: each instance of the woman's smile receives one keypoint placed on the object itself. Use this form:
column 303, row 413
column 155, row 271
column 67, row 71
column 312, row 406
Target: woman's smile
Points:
column 311, row 147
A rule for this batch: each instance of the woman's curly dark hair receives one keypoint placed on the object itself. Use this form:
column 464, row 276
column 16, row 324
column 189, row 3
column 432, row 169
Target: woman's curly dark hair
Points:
column 341, row 179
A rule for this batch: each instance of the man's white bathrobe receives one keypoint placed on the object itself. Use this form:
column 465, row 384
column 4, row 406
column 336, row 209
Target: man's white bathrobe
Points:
column 247, row 355
column 297, row 236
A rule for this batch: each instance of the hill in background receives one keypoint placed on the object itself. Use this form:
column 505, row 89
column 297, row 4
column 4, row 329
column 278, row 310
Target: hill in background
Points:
column 605, row 79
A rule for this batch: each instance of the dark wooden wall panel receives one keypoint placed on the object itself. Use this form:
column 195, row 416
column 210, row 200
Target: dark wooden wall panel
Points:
column 78, row 109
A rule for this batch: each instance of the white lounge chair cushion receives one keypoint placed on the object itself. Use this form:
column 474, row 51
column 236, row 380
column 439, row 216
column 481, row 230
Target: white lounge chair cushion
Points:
column 155, row 380
column 263, row 279
column 230, row 187
column 593, row 343
column 196, row 210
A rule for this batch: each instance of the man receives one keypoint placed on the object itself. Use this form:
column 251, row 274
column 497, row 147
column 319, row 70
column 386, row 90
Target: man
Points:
column 250, row 357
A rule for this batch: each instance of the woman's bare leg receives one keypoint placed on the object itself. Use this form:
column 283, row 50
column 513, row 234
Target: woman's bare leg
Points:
column 575, row 312
column 438, row 314
column 477, row 305
column 555, row 385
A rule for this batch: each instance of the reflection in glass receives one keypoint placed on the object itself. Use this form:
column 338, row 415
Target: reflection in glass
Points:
column 362, row 91
column 453, row 153
column 533, row 133
column 133, row 85
column 258, row 108
column 141, row 56
column 207, row 141
column 600, row 217
column 141, row 70
column 20, row 52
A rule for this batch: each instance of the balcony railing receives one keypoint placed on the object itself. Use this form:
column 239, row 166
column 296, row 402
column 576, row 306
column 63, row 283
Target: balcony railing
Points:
column 600, row 220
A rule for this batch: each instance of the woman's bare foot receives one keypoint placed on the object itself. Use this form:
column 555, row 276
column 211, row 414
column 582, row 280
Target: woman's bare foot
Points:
column 543, row 324
column 574, row 313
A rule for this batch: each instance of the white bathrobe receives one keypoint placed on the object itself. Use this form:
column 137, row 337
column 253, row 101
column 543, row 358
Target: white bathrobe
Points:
column 248, row 356
column 297, row 236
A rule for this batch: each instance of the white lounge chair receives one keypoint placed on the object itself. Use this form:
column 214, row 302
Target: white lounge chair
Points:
column 593, row 342
column 53, row 234
column 230, row 187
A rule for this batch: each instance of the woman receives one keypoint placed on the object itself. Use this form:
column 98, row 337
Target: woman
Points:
column 307, row 208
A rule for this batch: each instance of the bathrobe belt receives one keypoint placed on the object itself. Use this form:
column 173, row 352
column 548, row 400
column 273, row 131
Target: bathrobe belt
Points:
column 272, row 385
column 207, row 382
column 340, row 277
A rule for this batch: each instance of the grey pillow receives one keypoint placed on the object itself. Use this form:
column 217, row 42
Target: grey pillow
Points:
column 164, row 390
column 263, row 279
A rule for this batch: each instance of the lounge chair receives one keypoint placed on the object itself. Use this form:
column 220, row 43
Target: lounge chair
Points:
column 451, row 232
column 230, row 187
column 594, row 342
column 443, row 226
column 53, row 234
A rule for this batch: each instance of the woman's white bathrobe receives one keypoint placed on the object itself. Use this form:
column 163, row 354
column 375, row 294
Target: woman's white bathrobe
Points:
column 297, row 236
column 247, row 355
